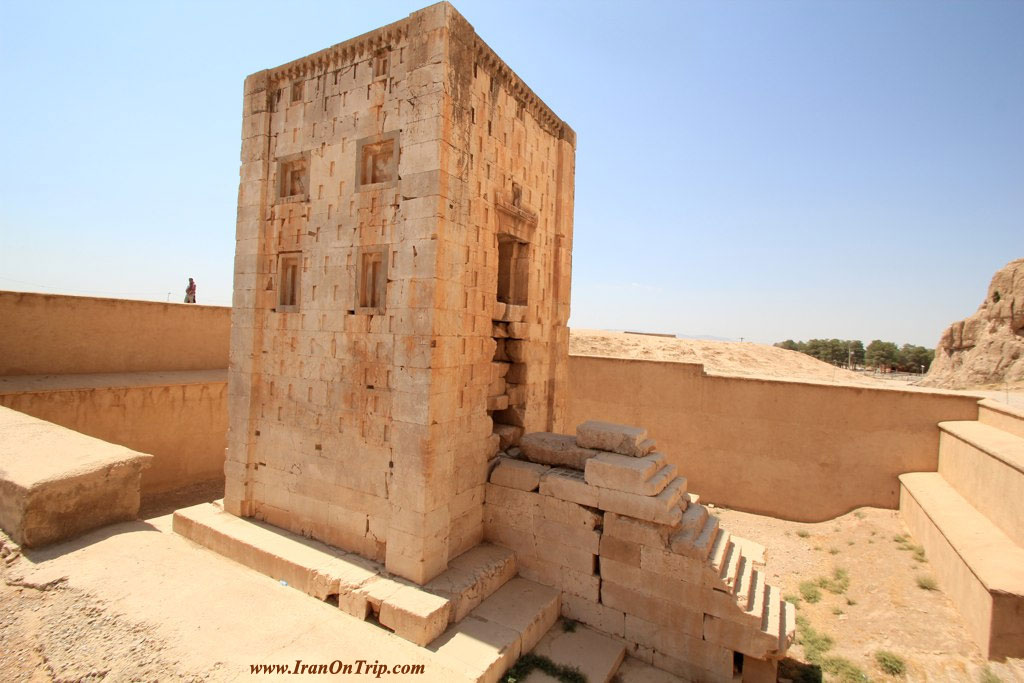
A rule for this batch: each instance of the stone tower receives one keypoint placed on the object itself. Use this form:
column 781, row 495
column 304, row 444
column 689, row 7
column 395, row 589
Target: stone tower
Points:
column 401, row 292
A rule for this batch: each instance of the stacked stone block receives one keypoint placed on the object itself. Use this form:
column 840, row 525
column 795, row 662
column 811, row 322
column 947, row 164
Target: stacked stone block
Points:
column 602, row 517
column 379, row 179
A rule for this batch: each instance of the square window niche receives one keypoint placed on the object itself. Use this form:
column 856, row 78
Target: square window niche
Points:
column 372, row 280
column 377, row 161
column 289, row 280
column 293, row 178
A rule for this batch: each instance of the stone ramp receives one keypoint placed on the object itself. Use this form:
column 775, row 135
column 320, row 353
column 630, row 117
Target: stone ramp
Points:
column 976, row 564
column 362, row 588
column 56, row 483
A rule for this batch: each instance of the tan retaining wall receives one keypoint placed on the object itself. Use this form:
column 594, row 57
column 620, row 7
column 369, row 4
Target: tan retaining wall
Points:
column 56, row 334
column 798, row 451
column 179, row 418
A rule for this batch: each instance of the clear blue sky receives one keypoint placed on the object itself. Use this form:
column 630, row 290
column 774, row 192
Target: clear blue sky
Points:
column 744, row 169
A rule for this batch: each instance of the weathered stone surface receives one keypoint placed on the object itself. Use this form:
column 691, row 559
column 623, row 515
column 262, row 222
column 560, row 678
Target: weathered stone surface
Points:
column 987, row 347
column 614, row 438
column 56, row 483
column 568, row 484
column 646, row 476
column 664, row 508
column 518, row 474
column 555, row 449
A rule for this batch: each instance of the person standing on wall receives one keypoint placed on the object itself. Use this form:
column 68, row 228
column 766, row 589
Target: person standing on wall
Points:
column 190, row 292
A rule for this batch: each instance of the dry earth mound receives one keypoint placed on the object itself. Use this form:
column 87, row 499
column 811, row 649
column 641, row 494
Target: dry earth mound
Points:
column 719, row 358
column 988, row 347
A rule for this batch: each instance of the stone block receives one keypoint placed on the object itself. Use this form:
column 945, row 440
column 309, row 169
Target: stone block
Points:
column 616, row 549
column 613, row 438
column 646, row 476
column 660, row 561
column 508, row 435
column 523, row 606
column 555, row 449
column 601, row 617
column 575, row 536
column 472, row 577
column 569, row 485
column 739, row 637
column 414, row 614
column 637, row 530
column 664, row 508
column 568, row 513
column 681, row 646
column 56, row 483
column 484, row 649
column 647, row 583
column 669, row 614
column 518, row 474
column 594, row 654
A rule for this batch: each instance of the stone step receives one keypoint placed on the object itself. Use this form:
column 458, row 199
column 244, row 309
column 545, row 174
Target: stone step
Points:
column 986, row 466
column 975, row 563
column 492, row 637
column 731, row 570
column 752, row 550
column 720, row 551
column 744, row 583
column 472, row 577
column 696, row 543
column 756, row 594
column 596, row 655
column 1010, row 419
column 360, row 586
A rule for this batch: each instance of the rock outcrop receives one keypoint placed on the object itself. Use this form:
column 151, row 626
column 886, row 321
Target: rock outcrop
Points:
column 988, row 347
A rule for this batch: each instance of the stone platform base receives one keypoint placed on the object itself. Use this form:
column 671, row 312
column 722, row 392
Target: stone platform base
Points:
column 56, row 484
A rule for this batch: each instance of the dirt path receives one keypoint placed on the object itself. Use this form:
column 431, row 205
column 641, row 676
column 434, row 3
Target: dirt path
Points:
column 883, row 608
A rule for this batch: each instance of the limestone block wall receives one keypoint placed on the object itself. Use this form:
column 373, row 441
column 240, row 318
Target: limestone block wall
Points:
column 180, row 418
column 607, row 520
column 794, row 450
column 51, row 334
column 367, row 277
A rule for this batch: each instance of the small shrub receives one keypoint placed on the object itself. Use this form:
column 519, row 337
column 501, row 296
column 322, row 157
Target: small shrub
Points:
column 989, row 676
column 891, row 663
column 528, row 662
column 859, row 514
column 918, row 551
column 838, row 584
column 568, row 625
column 900, row 539
column 809, row 591
column 815, row 644
column 851, row 602
column 836, row 611
column 849, row 542
column 803, row 533
column 928, row 583
column 833, row 550
column 844, row 670
column 792, row 598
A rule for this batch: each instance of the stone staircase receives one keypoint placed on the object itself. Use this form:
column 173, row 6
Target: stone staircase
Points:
column 968, row 516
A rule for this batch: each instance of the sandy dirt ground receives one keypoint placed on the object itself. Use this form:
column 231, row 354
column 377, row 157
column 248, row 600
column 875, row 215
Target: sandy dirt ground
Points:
column 882, row 609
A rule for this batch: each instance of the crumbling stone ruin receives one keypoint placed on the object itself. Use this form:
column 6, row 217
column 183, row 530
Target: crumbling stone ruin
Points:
column 602, row 517
column 987, row 347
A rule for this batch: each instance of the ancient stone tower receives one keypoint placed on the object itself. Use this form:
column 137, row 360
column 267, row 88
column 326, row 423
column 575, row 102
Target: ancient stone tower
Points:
column 402, row 275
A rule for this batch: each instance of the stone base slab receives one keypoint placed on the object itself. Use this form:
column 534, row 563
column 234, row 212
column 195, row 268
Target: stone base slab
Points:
column 56, row 484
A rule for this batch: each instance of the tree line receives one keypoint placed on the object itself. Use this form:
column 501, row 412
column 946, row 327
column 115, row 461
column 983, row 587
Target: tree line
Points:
column 851, row 353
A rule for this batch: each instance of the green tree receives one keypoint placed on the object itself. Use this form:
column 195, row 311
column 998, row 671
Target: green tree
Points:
column 789, row 345
column 915, row 358
column 880, row 354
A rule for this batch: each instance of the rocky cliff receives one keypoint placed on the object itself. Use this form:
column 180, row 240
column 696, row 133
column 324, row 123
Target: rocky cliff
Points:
column 988, row 347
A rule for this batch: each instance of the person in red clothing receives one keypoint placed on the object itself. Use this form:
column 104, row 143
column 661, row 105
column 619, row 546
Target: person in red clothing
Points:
column 190, row 292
